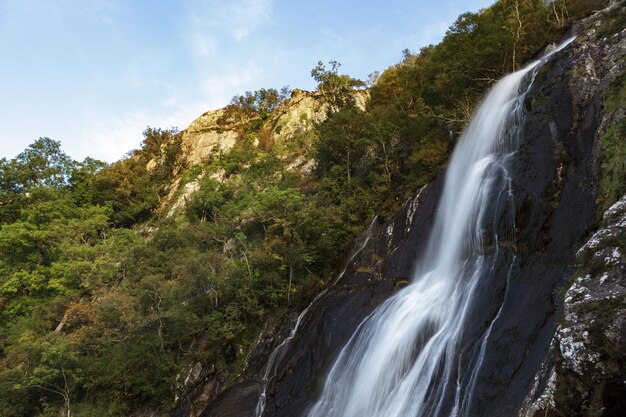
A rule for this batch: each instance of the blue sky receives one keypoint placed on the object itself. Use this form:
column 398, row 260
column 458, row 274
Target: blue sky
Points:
column 94, row 73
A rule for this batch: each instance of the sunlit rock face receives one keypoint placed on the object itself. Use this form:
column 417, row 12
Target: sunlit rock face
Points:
column 204, row 137
column 216, row 133
column 210, row 133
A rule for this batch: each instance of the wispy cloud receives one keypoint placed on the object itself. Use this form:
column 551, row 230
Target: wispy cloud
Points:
column 222, row 64
column 237, row 18
column 246, row 15
column 109, row 136
column 218, row 35
column 90, row 9
column 95, row 73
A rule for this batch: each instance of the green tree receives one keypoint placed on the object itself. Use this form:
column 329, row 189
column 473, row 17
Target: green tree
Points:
column 337, row 89
column 58, row 371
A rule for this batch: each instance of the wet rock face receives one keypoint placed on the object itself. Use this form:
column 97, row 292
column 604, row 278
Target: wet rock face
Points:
column 199, row 387
column 587, row 368
column 384, row 266
column 591, row 337
column 591, row 374
column 554, row 173
column 583, row 375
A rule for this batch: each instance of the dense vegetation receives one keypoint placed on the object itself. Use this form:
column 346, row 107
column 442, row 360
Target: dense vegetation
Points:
column 105, row 299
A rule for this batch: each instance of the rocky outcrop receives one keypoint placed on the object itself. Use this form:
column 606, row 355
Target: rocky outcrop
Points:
column 198, row 388
column 592, row 335
column 204, row 137
column 378, row 270
column 210, row 134
column 215, row 133
column 586, row 370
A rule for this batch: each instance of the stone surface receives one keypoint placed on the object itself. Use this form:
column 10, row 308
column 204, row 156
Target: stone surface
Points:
column 206, row 137
column 584, row 374
column 185, row 197
column 590, row 372
column 209, row 135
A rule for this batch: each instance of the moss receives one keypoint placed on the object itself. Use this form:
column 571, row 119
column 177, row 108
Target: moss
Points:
column 570, row 394
column 613, row 22
column 613, row 151
column 403, row 282
column 604, row 313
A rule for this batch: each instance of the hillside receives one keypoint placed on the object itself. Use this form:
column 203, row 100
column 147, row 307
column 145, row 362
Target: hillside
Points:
column 162, row 284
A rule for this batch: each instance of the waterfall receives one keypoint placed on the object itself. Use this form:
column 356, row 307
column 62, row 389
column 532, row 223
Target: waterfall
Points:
column 277, row 354
column 418, row 354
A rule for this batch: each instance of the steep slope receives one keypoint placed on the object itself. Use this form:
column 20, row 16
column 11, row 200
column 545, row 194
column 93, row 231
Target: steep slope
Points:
column 583, row 374
column 585, row 369
column 285, row 131
column 555, row 179
column 215, row 132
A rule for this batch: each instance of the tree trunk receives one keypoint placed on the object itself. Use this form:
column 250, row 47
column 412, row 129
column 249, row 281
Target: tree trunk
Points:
column 348, row 159
column 289, row 286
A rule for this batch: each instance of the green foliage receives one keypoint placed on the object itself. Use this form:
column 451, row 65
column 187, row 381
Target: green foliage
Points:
column 42, row 168
column 419, row 106
column 337, row 89
column 117, row 316
column 612, row 150
column 131, row 189
column 249, row 105
column 42, row 164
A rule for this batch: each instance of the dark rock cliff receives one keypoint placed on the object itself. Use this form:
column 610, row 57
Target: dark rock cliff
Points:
column 555, row 177
column 584, row 372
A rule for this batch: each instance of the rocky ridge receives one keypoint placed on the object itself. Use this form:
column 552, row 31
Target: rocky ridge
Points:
column 208, row 135
column 214, row 133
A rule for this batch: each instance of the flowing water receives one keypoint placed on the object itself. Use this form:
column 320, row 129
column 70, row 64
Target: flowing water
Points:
column 414, row 356
column 279, row 351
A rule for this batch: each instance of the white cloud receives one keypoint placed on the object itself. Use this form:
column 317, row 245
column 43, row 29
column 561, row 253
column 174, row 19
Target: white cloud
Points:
column 89, row 9
column 221, row 67
column 204, row 46
column 246, row 15
column 226, row 62
column 237, row 18
column 213, row 25
column 108, row 137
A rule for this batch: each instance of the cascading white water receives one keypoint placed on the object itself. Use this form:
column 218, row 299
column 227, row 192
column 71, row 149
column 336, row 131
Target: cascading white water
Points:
column 410, row 357
column 279, row 351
